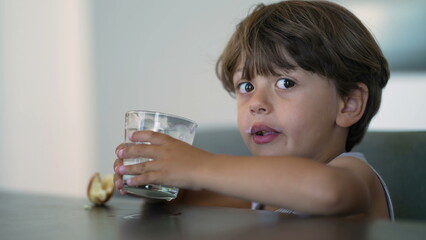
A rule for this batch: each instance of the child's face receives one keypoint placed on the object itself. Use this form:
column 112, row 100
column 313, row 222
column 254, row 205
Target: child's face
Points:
column 292, row 114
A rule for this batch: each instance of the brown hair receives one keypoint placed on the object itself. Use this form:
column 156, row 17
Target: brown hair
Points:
column 318, row 36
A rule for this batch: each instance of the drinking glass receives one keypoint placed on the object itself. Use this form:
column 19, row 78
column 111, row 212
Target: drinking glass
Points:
column 172, row 125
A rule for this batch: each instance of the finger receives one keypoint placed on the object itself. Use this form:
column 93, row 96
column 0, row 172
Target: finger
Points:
column 139, row 151
column 134, row 169
column 141, row 168
column 118, row 183
column 116, row 177
column 150, row 136
column 146, row 178
column 121, row 146
column 118, row 162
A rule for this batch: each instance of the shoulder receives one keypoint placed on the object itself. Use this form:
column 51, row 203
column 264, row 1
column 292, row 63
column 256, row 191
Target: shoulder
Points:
column 355, row 163
column 349, row 159
column 380, row 203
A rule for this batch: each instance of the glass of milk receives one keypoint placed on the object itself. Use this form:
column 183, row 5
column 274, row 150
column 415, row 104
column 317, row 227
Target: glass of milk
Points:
column 175, row 126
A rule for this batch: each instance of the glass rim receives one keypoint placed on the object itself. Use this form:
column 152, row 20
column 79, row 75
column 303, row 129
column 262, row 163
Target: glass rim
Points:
column 163, row 114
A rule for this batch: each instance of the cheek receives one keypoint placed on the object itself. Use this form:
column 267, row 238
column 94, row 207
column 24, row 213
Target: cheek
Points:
column 241, row 121
column 314, row 117
column 241, row 112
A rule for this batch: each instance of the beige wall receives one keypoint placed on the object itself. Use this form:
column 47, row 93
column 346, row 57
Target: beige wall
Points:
column 48, row 141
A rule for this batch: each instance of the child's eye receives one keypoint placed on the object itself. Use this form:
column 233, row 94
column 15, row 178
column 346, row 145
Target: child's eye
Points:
column 285, row 83
column 245, row 87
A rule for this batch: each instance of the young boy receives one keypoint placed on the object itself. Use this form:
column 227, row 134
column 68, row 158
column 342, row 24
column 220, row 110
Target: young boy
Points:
column 307, row 77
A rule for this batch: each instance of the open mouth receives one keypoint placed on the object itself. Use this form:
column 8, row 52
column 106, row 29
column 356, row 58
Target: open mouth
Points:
column 262, row 130
column 263, row 134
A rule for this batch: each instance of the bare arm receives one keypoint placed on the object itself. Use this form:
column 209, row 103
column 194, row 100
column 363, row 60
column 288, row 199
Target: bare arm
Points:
column 294, row 183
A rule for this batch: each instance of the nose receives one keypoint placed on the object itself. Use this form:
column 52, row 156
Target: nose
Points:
column 260, row 103
column 257, row 109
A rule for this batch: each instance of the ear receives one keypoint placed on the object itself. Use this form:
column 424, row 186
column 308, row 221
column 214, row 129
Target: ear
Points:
column 352, row 106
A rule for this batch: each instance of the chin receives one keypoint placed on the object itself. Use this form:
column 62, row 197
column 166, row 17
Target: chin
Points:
column 267, row 152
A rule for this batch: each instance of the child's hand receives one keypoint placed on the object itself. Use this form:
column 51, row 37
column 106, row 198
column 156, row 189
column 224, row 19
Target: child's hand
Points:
column 118, row 178
column 175, row 163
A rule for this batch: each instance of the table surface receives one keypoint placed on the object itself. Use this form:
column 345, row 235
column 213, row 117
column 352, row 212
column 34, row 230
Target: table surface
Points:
column 26, row 216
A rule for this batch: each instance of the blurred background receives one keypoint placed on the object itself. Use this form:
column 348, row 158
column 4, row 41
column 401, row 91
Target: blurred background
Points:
column 69, row 70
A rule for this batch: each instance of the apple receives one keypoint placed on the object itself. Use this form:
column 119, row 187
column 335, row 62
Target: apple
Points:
column 100, row 190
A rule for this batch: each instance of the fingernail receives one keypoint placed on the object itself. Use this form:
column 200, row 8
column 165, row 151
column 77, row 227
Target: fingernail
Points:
column 121, row 169
column 120, row 153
